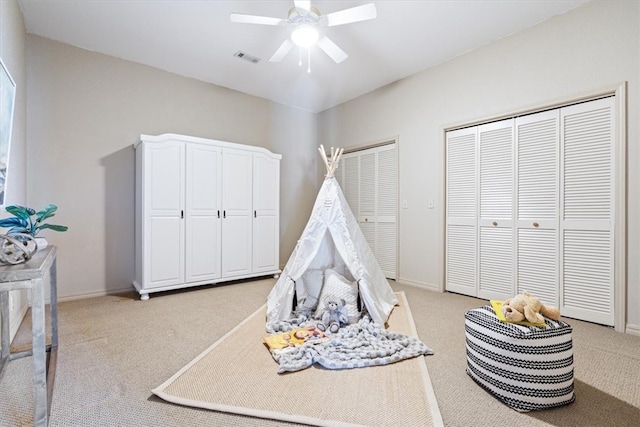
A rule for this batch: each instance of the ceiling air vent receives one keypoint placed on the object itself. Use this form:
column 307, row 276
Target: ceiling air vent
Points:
column 246, row 57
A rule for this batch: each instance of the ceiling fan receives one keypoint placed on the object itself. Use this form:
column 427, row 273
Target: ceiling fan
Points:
column 305, row 21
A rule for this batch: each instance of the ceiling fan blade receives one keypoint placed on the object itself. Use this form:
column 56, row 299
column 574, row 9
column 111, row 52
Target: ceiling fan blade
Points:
column 282, row 51
column 347, row 16
column 302, row 4
column 332, row 49
column 254, row 19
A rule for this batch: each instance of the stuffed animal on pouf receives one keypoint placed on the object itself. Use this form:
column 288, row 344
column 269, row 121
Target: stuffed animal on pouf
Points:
column 333, row 315
column 525, row 306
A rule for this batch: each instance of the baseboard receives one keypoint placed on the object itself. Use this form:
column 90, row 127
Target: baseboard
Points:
column 128, row 289
column 422, row 285
column 633, row 329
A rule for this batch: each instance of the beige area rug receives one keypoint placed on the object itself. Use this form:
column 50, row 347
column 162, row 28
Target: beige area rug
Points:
column 238, row 375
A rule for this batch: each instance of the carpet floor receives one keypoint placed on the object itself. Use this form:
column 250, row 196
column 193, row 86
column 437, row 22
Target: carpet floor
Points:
column 237, row 374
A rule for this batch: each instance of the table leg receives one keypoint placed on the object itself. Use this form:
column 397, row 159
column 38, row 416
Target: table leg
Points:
column 39, row 353
column 53, row 274
column 6, row 330
column 53, row 353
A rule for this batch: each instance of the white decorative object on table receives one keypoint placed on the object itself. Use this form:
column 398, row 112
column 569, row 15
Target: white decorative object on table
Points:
column 16, row 248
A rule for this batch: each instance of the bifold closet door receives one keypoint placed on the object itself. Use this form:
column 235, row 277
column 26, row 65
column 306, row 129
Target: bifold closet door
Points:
column 495, row 217
column 531, row 207
column 537, row 206
column 369, row 181
column 588, row 211
column 461, row 207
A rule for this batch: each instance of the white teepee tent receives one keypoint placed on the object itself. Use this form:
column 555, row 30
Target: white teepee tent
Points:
column 332, row 238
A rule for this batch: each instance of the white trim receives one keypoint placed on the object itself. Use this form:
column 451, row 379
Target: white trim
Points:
column 610, row 90
column 633, row 330
column 195, row 139
column 620, row 220
column 422, row 285
column 372, row 144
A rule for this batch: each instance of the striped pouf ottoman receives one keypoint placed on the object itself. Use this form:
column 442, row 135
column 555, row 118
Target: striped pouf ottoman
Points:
column 526, row 367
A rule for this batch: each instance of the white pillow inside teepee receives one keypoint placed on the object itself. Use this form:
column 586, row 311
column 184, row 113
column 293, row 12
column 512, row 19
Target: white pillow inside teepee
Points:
column 338, row 287
column 308, row 287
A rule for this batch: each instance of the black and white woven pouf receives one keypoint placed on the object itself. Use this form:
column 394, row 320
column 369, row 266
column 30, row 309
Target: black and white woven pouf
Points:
column 526, row 367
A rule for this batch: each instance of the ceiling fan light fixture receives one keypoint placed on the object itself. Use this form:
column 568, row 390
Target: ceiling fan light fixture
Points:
column 305, row 36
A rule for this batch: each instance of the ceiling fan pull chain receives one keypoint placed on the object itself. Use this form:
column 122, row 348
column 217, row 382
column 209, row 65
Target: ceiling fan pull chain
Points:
column 309, row 60
column 299, row 57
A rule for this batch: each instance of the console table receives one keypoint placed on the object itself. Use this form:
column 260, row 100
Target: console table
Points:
column 34, row 275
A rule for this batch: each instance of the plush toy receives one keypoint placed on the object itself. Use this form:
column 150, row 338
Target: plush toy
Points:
column 304, row 310
column 525, row 306
column 333, row 315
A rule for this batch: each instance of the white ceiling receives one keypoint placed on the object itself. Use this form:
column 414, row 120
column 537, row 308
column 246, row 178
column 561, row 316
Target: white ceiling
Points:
column 195, row 38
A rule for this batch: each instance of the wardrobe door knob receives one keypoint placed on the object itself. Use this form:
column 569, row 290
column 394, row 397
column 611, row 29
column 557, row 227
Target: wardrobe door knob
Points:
column 495, row 224
column 535, row 224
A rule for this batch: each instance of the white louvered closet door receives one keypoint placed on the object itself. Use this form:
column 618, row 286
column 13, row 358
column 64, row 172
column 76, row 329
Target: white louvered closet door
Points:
column 537, row 212
column 367, row 211
column 495, row 220
column 349, row 181
column 587, row 213
column 387, row 209
column 369, row 181
column 461, row 259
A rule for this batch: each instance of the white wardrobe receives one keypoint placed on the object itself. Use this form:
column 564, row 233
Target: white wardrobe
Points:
column 531, row 206
column 206, row 211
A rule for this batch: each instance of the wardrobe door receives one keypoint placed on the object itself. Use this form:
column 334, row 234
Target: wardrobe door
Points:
column 461, row 207
column 163, row 222
column 203, row 212
column 495, row 218
column 587, row 214
column 537, row 212
column 266, row 213
column 237, row 212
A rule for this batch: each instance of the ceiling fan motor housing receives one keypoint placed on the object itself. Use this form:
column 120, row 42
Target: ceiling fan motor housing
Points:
column 298, row 16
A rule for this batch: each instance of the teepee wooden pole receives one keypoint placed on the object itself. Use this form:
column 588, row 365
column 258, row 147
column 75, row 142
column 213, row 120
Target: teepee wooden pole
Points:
column 324, row 157
column 332, row 164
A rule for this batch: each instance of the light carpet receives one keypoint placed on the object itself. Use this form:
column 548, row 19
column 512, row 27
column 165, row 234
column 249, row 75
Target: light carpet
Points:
column 238, row 375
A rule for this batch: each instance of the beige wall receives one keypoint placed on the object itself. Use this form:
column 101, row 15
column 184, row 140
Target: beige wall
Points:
column 585, row 50
column 86, row 109
column 12, row 52
column 85, row 112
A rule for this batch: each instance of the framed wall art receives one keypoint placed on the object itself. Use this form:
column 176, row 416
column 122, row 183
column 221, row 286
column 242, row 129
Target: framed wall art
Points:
column 7, row 103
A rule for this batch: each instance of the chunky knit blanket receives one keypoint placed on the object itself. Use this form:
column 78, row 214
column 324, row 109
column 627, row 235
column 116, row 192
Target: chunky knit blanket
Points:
column 357, row 345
